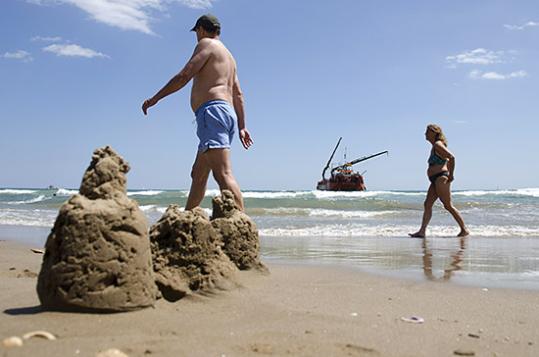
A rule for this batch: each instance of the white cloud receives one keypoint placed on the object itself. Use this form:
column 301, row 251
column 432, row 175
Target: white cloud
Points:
column 476, row 74
column 478, row 56
column 522, row 27
column 72, row 50
column 46, row 39
column 20, row 55
column 126, row 14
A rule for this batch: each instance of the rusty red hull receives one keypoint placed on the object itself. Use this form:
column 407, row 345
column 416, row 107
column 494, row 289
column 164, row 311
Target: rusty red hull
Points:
column 342, row 183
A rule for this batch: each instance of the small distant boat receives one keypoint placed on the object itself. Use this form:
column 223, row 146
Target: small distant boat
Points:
column 343, row 178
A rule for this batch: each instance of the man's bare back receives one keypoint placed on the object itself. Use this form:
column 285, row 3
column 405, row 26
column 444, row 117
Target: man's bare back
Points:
column 215, row 80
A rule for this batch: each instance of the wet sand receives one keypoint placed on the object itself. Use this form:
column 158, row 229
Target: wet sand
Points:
column 297, row 310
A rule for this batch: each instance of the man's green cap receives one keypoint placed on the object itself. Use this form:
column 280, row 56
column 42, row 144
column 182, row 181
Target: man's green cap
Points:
column 207, row 22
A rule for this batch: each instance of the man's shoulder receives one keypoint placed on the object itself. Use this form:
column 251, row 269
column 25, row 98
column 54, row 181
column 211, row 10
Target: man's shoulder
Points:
column 210, row 42
column 204, row 43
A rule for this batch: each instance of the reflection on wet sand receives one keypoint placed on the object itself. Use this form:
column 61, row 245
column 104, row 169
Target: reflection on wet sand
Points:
column 486, row 262
column 456, row 259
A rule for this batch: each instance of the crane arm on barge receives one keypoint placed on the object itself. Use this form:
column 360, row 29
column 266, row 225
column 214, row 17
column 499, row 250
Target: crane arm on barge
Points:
column 330, row 158
column 353, row 162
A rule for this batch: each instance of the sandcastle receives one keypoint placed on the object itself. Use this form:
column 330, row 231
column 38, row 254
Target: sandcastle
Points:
column 97, row 256
column 237, row 231
column 192, row 253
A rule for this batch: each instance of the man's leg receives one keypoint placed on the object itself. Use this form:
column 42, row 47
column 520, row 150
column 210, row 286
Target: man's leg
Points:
column 218, row 161
column 199, row 176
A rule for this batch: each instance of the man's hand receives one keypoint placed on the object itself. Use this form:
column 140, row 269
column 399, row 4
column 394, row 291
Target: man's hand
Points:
column 245, row 138
column 148, row 103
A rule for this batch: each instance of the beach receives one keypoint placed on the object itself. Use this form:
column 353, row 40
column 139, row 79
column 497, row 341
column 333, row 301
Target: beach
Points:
column 344, row 280
column 296, row 310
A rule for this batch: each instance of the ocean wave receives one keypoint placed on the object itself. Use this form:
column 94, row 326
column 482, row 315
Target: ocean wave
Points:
column 348, row 214
column 317, row 212
column 532, row 192
column 66, row 192
column 355, row 230
column 361, row 194
column 332, row 195
column 338, row 231
column 40, row 198
column 344, row 194
column 22, row 217
column 153, row 208
column 275, row 194
column 325, row 195
column 144, row 193
column 148, row 209
column 9, row 191
column 210, row 193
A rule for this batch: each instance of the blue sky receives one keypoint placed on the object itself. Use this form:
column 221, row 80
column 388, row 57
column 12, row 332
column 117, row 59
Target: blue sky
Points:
column 74, row 74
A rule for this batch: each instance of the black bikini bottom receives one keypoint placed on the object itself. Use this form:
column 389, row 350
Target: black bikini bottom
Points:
column 434, row 177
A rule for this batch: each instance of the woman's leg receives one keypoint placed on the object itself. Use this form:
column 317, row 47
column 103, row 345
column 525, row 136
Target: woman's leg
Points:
column 432, row 196
column 443, row 189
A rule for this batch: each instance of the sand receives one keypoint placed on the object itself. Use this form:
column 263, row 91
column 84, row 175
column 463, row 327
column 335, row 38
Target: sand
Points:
column 296, row 310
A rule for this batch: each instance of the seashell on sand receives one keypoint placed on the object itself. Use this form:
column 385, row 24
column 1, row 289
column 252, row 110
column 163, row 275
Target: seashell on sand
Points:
column 12, row 341
column 41, row 334
column 112, row 352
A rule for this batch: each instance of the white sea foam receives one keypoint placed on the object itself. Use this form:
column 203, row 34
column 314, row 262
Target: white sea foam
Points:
column 533, row 192
column 66, row 192
column 318, row 212
column 343, row 194
column 153, row 208
column 22, row 217
column 275, row 194
column 531, row 274
column 332, row 195
column 336, row 231
column 160, row 209
column 529, row 191
column 327, row 195
column 144, row 193
column 348, row 214
column 359, row 230
column 9, row 191
column 211, row 193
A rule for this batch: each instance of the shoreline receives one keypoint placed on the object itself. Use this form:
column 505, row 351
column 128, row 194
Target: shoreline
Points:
column 507, row 263
column 295, row 310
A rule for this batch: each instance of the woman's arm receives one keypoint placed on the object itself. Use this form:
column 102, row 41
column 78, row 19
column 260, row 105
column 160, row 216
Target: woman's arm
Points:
column 441, row 150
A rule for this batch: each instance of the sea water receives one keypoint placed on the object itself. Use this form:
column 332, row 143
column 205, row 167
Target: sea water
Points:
column 366, row 230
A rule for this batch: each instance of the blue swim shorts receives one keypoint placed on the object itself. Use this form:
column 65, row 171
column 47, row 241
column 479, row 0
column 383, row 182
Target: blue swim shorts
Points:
column 216, row 122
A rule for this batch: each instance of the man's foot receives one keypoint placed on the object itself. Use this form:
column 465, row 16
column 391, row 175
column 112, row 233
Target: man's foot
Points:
column 417, row 235
column 463, row 233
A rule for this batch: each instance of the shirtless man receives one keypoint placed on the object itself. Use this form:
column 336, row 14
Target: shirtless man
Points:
column 215, row 88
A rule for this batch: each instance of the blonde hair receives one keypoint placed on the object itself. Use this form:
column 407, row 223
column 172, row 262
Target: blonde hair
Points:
column 439, row 133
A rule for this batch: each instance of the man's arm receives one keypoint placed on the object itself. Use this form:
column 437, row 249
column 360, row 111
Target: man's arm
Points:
column 198, row 60
column 239, row 108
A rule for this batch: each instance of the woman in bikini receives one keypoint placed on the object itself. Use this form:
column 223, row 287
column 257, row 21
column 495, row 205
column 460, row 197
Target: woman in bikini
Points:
column 440, row 172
